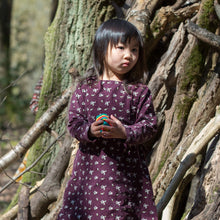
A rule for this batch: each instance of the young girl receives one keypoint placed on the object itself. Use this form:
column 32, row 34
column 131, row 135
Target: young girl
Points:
column 110, row 178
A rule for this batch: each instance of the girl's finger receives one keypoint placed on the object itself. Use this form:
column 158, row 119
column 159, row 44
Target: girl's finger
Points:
column 106, row 128
column 115, row 119
column 106, row 135
column 110, row 122
column 96, row 123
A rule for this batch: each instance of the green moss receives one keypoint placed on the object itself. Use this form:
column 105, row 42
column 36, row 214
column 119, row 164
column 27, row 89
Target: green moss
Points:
column 217, row 189
column 184, row 107
column 192, row 69
column 162, row 162
column 34, row 175
column 155, row 28
column 206, row 14
column 14, row 200
column 191, row 78
column 39, row 171
column 52, row 78
column 185, row 214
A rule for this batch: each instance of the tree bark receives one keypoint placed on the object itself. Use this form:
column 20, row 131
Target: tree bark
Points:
column 162, row 75
column 174, row 117
column 201, row 141
column 188, row 68
column 207, row 201
column 203, row 35
column 217, row 8
column 23, row 204
column 166, row 19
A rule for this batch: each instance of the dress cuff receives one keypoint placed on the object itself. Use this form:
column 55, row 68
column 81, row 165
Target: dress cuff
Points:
column 129, row 134
column 87, row 137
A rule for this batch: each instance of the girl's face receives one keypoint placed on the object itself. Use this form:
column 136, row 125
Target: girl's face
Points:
column 120, row 59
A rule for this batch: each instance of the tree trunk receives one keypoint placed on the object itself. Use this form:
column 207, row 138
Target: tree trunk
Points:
column 5, row 77
column 67, row 44
column 184, row 79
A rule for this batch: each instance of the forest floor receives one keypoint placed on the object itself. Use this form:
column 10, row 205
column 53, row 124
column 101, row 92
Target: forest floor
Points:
column 8, row 139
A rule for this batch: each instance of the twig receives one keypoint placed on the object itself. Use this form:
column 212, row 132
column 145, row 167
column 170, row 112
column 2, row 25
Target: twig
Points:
column 13, row 83
column 3, row 100
column 30, row 167
column 54, row 134
column 203, row 34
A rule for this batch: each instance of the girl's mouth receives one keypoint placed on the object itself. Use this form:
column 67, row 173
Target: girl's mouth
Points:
column 125, row 64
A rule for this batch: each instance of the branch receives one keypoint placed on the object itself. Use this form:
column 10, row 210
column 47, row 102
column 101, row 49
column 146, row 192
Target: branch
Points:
column 23, row 204
column 203, row 34
column 40, row 126
column 46, row 192
column 30, row 167
column 13, row 83
column 11, row 214
column 201, row 140
column 167, row 62
column 178, row 4
column 49, row 190
column 36, row 130
column 167, row 18
column 164, row 20
column 139, row 15
column 217, row 8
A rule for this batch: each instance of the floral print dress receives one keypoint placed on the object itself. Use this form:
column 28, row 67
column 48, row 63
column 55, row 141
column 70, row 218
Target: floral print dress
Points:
column 110, row 179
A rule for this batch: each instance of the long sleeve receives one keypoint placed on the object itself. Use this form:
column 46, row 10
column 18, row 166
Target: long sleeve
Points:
column 146, row 122
column 78, row 124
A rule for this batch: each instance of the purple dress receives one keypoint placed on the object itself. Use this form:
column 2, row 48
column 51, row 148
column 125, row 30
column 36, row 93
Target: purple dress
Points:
column 110, row 179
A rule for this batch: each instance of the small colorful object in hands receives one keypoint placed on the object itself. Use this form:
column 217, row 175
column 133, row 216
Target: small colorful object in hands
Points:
column 103, row 117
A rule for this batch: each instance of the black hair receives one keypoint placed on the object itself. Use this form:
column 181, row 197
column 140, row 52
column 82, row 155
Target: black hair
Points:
column 110, row 33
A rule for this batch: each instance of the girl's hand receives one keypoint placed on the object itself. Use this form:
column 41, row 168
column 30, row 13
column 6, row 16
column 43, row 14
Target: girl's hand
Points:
column 115, row 130
column 96, row 129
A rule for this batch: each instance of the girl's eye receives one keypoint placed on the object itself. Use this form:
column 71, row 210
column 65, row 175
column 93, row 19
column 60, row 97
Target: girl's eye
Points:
column 120, row 47
column 134, row 49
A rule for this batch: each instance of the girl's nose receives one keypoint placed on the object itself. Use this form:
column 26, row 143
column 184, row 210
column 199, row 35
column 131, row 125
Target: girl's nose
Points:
column 127, row 54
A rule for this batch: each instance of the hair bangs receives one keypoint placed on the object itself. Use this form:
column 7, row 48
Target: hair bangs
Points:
column 122, row 34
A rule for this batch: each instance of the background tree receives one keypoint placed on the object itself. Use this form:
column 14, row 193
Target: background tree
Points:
column 5, row 78
column 24, row 24
column 184, row 79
